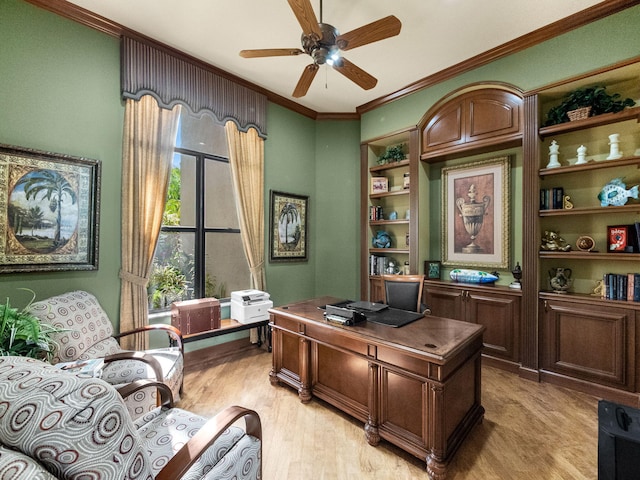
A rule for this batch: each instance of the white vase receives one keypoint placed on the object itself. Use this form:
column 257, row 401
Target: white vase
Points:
column 614, row 143
column 582, row 154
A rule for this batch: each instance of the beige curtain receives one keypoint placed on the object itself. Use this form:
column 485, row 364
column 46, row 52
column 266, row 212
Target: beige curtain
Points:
column 246, row 157
column 149, row 140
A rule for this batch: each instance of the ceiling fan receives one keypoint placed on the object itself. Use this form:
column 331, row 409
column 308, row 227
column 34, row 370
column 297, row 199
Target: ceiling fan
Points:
column 323, row 43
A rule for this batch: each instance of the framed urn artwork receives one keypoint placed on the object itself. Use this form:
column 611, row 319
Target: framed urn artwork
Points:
column 51, row 204
column 475, row 214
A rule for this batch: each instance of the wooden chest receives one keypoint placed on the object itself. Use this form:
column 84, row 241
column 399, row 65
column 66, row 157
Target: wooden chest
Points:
column 195, row 316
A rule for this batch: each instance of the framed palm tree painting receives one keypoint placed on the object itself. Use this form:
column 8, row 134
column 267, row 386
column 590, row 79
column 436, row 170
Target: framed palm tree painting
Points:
column 288, row 227
column 50, row 206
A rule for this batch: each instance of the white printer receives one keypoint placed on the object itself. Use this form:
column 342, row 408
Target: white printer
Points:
column 248, row 306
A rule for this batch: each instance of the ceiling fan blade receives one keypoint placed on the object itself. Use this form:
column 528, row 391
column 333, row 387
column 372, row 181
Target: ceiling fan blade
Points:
column 306, row 78
column 307, row 19
column 355, row 74
column 379, row 30
column 270, row 52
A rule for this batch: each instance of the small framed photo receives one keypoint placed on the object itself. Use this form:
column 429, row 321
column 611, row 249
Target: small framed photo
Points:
column 432, row 269
column 619, row 239
column 379, row 185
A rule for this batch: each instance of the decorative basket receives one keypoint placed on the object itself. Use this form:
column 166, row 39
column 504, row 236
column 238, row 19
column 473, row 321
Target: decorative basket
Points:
column 579, row 114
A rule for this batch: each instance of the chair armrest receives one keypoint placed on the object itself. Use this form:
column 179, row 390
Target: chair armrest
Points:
column 198, row 444
column 166, row 395
column 140, row 356
column 173, row 333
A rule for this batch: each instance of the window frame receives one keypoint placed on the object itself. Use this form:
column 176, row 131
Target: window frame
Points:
column 199, row 229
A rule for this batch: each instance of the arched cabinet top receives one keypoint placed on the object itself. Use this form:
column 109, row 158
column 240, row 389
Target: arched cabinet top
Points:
column 471, row 122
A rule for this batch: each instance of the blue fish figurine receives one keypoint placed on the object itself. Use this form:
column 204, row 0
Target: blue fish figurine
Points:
column 615, row 193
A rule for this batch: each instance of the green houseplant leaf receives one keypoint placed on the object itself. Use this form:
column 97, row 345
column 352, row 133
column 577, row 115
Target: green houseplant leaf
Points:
column 595, row 97
column 22, row 333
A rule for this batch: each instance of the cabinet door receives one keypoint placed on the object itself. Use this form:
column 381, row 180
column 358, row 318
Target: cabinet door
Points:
column 446, row 129
column 590, row 342
column 286, row 357
column 341, row 378
column 500, row 314
column 403, row 408
column 445, row 302
column 492, row 114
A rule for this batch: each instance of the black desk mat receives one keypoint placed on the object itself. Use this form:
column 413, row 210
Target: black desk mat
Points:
column 393, row 317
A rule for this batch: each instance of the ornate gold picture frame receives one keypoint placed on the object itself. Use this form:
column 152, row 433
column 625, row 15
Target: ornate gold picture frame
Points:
column 49, row 204
column 475, row 214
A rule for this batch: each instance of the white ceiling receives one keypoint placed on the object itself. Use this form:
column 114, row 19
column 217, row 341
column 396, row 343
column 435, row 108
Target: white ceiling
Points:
column 435, row 34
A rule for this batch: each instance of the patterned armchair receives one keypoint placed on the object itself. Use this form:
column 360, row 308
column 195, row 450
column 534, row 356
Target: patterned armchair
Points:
column 57, row 425
column 88, row 333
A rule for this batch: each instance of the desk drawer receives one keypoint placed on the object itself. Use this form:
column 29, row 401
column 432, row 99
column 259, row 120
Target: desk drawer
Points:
column 333, row 337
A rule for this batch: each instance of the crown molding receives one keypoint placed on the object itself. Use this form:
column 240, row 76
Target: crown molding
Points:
column 540, row 35
column 596, row 12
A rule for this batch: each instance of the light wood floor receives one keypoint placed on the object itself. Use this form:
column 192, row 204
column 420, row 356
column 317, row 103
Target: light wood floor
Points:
column 530, row 431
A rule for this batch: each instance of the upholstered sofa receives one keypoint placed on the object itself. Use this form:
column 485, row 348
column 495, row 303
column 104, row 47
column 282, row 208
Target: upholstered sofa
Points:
column 87, row 332
column 55, row 425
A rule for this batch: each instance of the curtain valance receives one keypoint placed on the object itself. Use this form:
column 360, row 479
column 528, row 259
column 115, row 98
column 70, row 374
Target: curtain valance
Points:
column 147, row 70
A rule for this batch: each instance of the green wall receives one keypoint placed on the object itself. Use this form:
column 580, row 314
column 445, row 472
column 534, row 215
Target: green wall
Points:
column 598, row 44
column 289, row 166
column 61, row 93
column 337, row 233
column 321, row 160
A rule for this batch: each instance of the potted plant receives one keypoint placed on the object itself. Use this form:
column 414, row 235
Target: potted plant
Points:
column 394, row 153
column 595, row 99
column 167, row 284
column 22, row 333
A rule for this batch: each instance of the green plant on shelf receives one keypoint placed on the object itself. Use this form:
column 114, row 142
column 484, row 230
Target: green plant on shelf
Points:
column 595, row 97
column 394, row 153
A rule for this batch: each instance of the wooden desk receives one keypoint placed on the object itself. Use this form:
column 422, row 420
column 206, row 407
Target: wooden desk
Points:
column 417, row 386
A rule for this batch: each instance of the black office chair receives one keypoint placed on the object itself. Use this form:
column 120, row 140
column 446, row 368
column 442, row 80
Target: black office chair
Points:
column 404, row 292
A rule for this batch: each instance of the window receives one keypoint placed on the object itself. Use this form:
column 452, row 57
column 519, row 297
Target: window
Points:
column 199, row 252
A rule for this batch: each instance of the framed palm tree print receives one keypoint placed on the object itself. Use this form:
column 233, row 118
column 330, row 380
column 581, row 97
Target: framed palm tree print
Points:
column 49, row 203
column 288, row 227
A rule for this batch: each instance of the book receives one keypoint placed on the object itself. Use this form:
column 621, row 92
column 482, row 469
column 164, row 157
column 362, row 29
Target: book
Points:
column 557, row 198
column 622, row 286
column 630, row 286
column 91, row 367
column 636, row 287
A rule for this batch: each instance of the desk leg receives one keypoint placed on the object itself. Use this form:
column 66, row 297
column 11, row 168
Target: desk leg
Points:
column 436, row 466
column 371, row 427
column 304, row 391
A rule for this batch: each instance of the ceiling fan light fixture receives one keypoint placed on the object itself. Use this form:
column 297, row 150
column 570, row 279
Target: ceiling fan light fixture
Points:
column 324, row 44
column 324, row 54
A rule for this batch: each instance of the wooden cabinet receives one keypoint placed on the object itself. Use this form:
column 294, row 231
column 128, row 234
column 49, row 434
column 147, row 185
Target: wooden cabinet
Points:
column 418, row 387
column 496, row 308
column 470, row 122
column 589, row 345
column 586, row 341
column 392, row 207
